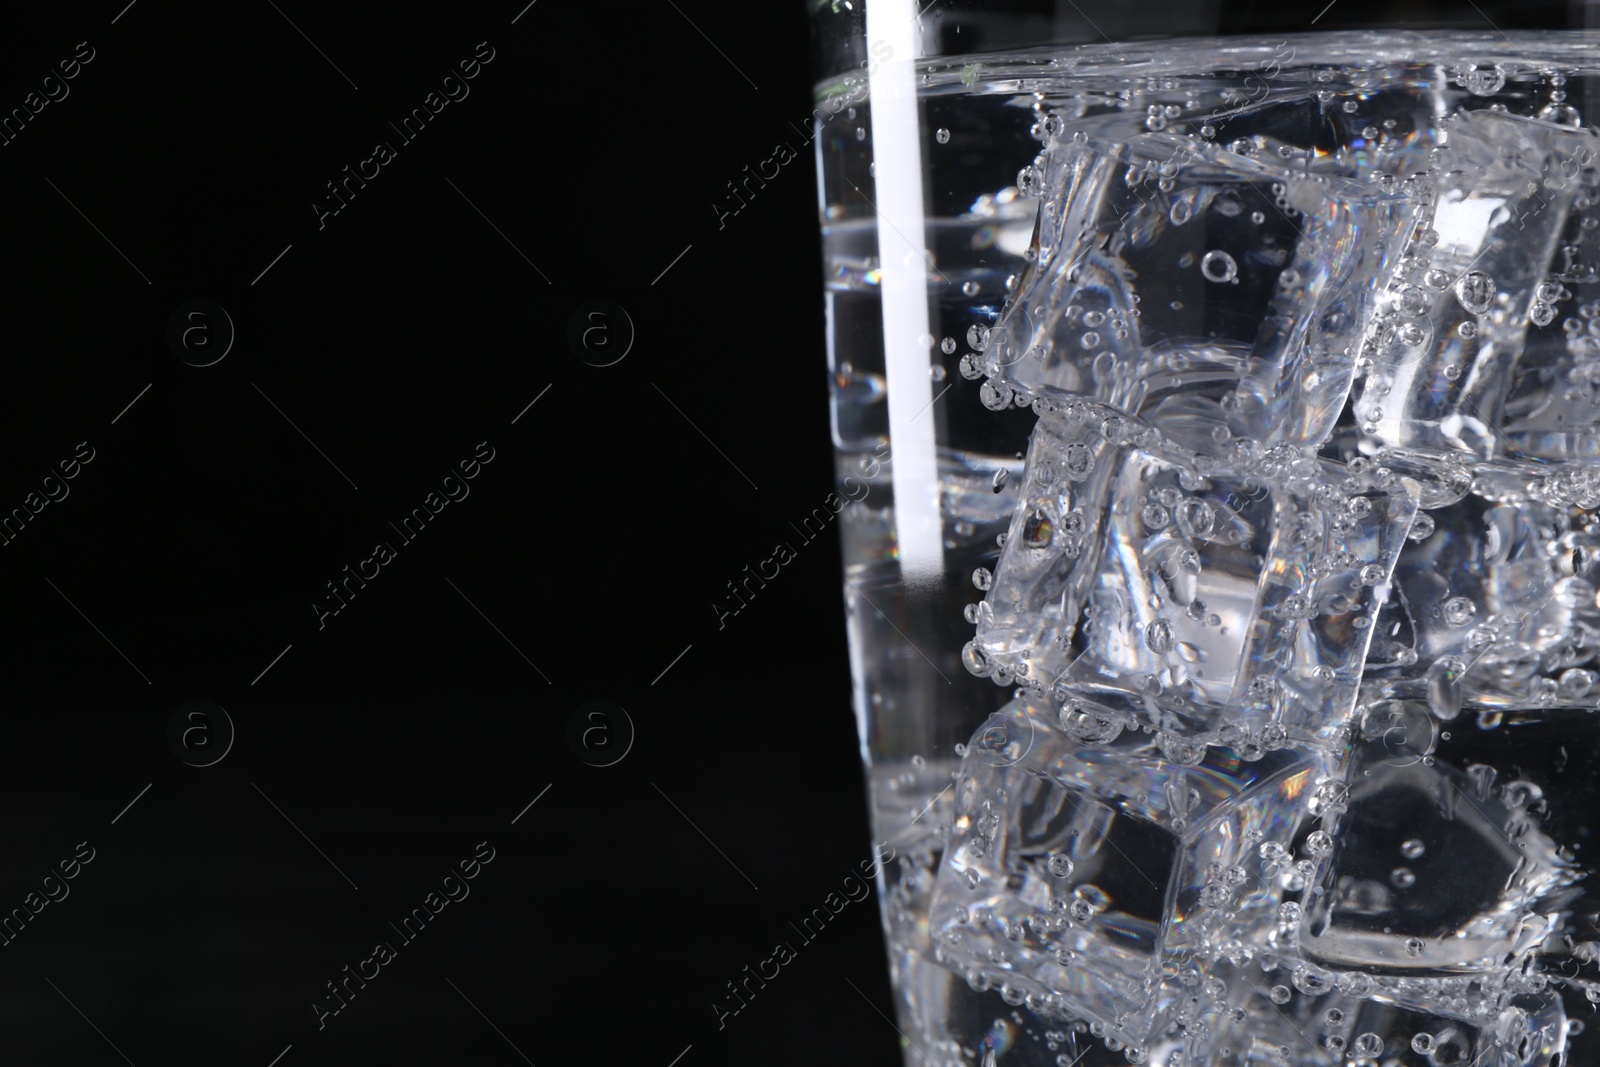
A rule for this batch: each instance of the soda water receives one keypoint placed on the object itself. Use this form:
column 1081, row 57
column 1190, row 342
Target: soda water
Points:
column 1247, row 711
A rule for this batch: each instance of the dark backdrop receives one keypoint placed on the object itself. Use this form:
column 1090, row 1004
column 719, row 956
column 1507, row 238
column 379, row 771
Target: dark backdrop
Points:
column 374, row 349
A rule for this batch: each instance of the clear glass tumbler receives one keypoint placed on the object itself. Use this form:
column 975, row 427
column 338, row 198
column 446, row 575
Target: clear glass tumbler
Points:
column 1216, row 393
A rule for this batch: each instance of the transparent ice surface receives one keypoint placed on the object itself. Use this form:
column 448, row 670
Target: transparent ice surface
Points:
column 1222, row 601
column 1085, row 866
column 1196, row 287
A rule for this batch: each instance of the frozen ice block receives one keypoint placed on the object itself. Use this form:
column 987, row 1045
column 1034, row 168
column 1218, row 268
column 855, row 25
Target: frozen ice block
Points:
column 1280, row 1012
column 1455, row 313
column 1224, row 602
column 1204, row 290
column 1493, row 600
column 1084, row 873
column 1453, row 871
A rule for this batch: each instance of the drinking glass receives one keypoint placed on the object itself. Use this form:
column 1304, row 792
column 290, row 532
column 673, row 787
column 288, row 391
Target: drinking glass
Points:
column 1215, row 388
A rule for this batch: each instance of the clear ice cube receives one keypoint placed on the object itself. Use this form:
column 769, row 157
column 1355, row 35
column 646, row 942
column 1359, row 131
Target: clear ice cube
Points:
column 1196, row 287
column 1281, row 1012
column 1453, row 876
column 1226, row 602
column 1553, row 408
column 1454, row 315
column 1082, row 874
column 1493, row 602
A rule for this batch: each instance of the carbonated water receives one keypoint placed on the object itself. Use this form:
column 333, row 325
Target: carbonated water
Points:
column 1249, row 714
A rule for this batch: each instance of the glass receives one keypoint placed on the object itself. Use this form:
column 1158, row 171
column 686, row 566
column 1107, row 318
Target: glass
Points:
column 1216, row 390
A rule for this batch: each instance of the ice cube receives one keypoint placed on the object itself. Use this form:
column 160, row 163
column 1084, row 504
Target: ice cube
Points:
column 1196, row 287
column 1216, row 602
column 1454, row 315
column 1280, row 1012
column 1454, row 866
column 1493, row 602
column 1553, row 409
column 1084, row 874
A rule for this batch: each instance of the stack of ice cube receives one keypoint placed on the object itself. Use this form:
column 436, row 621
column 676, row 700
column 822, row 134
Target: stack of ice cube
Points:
column 1300, row 613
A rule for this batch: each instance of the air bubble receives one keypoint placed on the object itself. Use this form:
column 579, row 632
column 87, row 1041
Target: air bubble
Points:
column 1218, row 266
column 1158, row 635
column 942, row 136
column 1412, row 848
column 1356, row 985
column 1330, row 798
column 1483, row 81
column 1311, row 981
column 1368, row 1046
column 1414, row 301
column 996, row 397
column 1575, row 683
column 1475, row 290
column 1079, row 461
column 1561, row 114
column 1060, row 865
column 1458, row 611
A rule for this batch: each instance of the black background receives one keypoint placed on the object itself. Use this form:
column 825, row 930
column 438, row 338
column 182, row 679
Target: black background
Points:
column 377, row 352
